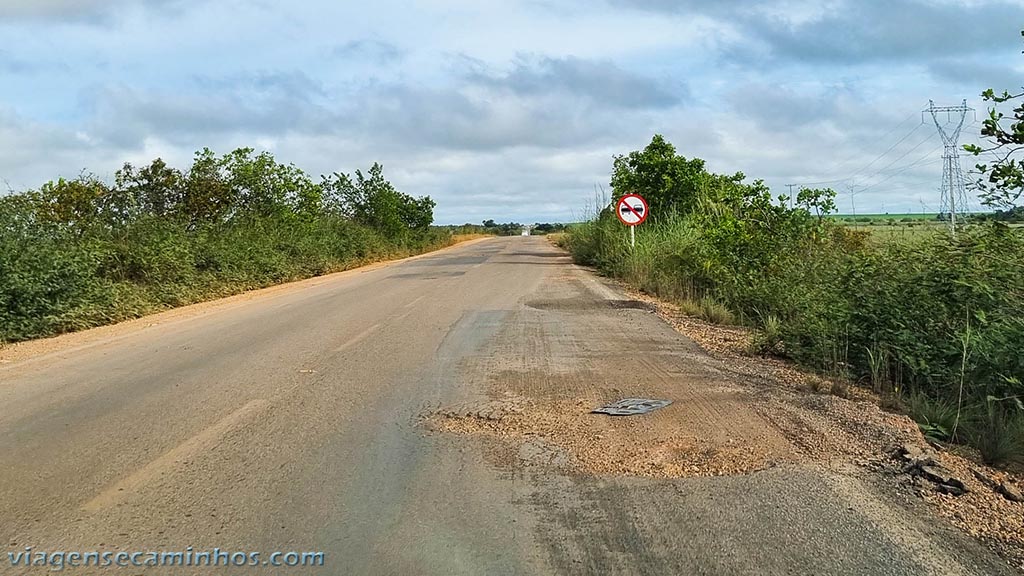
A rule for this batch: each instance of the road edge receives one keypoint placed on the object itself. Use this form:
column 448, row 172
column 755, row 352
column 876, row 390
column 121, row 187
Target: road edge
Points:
column 20, row 352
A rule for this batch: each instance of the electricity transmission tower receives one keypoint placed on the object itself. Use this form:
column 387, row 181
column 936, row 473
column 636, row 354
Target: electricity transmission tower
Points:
column 954, row 187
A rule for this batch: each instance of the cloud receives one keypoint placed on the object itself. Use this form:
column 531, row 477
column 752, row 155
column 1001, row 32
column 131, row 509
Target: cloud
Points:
column 273, row 105
column 12, row 65
column 780, row 108
column 72, row 10
column 599, row 82
column 33, row 151
column 365, row 50
column 882, row 30
column 293, row 84
column 977, row 75
column 499, row 109
column 857, row 31
column 541, row 102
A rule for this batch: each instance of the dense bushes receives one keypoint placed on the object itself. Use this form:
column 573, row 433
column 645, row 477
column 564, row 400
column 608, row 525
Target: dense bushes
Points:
column 79, row 253
column 940, row 319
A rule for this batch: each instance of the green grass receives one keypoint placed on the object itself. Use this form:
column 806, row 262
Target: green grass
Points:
column 937, row 418
column 998, row 434
column 896, row 234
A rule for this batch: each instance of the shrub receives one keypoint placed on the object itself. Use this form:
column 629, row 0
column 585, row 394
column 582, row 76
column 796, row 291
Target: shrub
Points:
column 768, row 340
column 79, row 253
column 997, row 431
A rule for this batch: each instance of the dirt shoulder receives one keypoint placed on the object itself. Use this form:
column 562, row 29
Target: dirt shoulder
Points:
column 850, row 427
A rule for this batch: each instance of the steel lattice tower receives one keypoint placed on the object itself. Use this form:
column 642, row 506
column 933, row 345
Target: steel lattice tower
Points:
column 954, row 187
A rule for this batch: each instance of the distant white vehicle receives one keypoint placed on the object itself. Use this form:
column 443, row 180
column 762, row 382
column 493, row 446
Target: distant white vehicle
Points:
column 526, row 231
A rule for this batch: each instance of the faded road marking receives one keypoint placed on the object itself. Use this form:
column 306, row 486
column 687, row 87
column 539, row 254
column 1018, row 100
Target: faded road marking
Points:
column 357, row 338
column 414, row 302
column 194, row 445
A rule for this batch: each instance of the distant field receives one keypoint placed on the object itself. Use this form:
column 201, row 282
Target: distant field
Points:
column 888, row 228
column 906, row 233
column 873, row 217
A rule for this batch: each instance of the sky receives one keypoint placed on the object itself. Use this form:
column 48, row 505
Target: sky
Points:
column 506, row 110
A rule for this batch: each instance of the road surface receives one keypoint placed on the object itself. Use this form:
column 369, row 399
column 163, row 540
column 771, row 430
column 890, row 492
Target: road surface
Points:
column 293, row 421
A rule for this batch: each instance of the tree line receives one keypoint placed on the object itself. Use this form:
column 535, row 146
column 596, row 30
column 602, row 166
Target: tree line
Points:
column 80, row 252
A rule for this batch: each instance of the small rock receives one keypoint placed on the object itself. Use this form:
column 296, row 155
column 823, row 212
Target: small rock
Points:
column 950, row 489
column 911, row 452
column 943, row 477
column 1010, row 492
column 985, row 479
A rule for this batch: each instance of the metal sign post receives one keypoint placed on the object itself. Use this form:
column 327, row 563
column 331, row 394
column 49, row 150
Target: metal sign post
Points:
column 632, row 211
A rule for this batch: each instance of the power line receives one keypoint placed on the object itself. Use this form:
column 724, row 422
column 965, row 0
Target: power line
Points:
column 869, row 164
column 889, row 165
column 919, row 162
column 881, row 138
column 890, row 149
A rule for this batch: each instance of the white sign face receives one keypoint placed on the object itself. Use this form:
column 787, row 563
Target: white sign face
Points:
column 632, row 210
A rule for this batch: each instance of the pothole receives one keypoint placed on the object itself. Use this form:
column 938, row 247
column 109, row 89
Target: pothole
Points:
column 577, row 304
column 631, row 305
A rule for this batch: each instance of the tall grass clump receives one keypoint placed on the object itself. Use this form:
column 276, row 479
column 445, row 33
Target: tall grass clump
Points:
column 933, row 323
column 997, row 431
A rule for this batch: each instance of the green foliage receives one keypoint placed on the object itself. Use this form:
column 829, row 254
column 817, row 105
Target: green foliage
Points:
column 768, row 340
column 79, row 253
column 371, row 200
column 506, row 229
column 1001, row 182
column 937, row 417
column 997, row 431
column 670, row 183
column 819, row 200
column 930, row 315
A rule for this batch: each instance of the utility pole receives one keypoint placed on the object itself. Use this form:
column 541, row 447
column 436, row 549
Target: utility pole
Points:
column 954, row 189
column 790, row 195
column 852, row 188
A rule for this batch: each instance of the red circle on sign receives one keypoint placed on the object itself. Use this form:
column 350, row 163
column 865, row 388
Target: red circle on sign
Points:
column 632, row 210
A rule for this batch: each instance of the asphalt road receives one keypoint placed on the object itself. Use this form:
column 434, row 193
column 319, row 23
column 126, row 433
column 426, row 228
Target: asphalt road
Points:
column 291, row 422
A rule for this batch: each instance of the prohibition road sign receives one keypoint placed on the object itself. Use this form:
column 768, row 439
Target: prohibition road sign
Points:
column 632, row 210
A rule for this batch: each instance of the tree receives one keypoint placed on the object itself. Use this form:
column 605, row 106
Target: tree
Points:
column 1002, row 181
column 371, row 200
column 72, row 204
column 417, row 213
column 155, row 190
column 819, row 200
column 670, row 183
column 206, row 196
